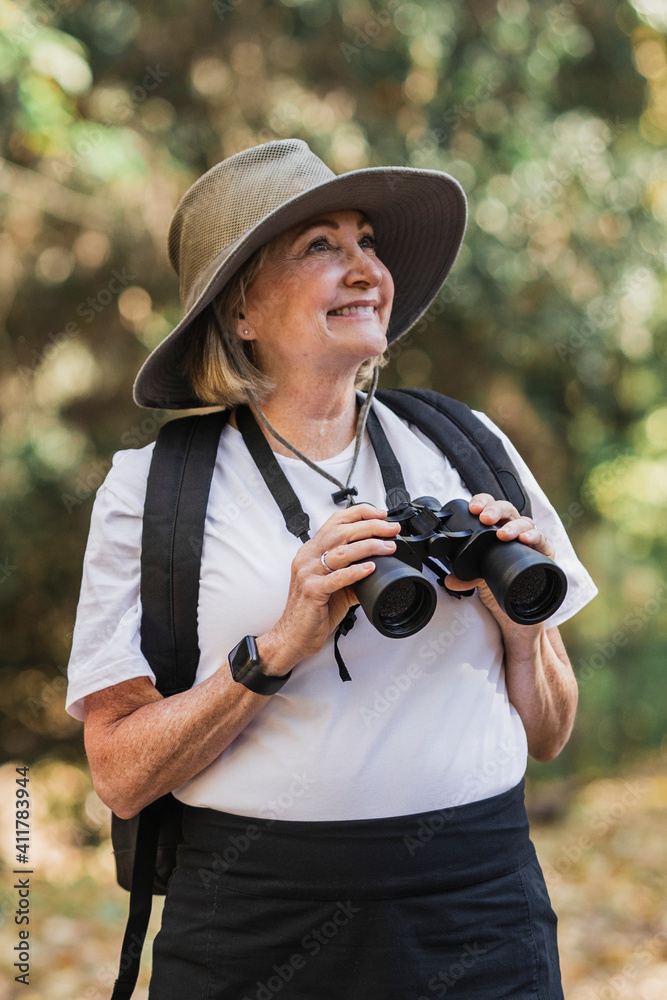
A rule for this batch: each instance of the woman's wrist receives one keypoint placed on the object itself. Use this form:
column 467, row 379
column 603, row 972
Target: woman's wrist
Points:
column 274, row 658
column 522, row 641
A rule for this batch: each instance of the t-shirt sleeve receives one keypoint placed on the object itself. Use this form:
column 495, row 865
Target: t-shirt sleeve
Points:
column 580, row 586
column 106, row 644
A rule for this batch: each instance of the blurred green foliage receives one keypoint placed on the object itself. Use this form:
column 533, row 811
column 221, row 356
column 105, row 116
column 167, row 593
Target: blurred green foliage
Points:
column 552, row 116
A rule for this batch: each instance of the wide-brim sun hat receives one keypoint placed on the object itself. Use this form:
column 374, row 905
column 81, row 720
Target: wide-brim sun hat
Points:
column 418, row 216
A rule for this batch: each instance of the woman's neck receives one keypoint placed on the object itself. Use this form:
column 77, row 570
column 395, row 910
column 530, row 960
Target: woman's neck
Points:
column 319, row 420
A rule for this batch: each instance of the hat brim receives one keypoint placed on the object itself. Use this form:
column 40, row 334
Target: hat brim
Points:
column 419, row 219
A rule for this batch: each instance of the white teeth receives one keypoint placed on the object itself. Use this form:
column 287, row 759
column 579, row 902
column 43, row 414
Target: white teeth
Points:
column 364, row 310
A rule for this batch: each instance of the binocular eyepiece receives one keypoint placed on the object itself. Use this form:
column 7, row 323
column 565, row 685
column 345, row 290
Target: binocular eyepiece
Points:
column 399, row 600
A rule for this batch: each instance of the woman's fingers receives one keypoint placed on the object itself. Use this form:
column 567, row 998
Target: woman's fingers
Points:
column 346, row 576
column 512, row 524
column 348, row 540
column 492, row 511
column 479, row 502
column 453, row 583
column 346, row 534
column 357, row 512
column 523, row 529
column 359, row 521
column 344, row 555
column 320, row 593
column 519, row 526
column 351, row 535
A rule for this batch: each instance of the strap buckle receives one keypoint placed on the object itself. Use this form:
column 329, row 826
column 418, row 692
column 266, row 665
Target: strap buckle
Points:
column 345, row 494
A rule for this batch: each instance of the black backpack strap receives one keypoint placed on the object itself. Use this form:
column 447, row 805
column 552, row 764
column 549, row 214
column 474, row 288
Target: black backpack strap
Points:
column 141, row 899
column 477, row 454
column 177, row 491
column 396, row 492
column 296, row 520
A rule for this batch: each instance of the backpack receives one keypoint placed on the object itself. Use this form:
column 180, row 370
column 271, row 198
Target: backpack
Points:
column 177, row 493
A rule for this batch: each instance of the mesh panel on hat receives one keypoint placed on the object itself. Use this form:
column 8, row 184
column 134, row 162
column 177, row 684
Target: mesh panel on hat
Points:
column 234, row 196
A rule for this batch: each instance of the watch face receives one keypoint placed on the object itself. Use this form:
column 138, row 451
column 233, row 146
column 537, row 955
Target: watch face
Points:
column 244, row 657
column 245, row 668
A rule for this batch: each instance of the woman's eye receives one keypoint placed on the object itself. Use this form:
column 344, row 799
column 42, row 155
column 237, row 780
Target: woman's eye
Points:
column 321, row 241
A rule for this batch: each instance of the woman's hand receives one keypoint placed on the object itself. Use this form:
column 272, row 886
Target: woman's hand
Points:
column 513, row 526
column 538, row 675
column 318, row 599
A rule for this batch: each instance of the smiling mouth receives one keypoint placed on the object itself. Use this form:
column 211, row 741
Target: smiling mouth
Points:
column 353, row 311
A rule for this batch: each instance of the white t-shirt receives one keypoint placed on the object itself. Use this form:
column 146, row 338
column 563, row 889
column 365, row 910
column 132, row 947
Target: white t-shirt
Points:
column 425, row 722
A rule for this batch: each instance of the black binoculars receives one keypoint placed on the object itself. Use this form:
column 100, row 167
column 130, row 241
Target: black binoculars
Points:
column 399, row 600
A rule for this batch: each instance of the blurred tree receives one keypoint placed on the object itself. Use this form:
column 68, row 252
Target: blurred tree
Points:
column 554, row 119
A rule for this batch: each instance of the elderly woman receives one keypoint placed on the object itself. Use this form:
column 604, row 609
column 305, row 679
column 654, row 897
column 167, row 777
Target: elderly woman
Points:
column 380, row 843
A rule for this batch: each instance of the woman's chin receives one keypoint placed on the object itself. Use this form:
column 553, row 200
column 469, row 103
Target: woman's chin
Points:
column 366, row 343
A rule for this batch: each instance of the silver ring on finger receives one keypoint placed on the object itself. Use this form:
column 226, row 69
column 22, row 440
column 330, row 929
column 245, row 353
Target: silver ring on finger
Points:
column 324, row 562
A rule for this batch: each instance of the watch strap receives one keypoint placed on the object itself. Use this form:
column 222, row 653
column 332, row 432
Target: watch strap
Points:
column 244, row 663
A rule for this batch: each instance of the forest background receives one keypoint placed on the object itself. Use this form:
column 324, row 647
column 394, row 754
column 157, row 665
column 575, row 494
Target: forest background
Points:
column 554, row 119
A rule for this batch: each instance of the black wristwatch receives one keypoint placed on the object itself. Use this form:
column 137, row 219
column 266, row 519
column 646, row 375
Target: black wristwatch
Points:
column 244, row 665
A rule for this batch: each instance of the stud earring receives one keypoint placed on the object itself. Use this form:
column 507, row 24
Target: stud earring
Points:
column 245, row 333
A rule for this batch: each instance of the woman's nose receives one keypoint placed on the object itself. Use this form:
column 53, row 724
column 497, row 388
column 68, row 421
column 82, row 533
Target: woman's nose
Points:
column 364, row 267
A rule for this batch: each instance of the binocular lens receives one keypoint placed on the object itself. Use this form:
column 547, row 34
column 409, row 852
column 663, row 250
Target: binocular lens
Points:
column 403, row 605
column 534, row 593
column 396, row 598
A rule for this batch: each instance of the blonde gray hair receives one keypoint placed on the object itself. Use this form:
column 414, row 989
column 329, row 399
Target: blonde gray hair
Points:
column 220, row 365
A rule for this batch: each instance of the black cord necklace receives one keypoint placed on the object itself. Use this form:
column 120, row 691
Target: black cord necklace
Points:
column 295, row 517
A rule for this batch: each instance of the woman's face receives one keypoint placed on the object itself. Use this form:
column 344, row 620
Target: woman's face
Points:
column 313, row 271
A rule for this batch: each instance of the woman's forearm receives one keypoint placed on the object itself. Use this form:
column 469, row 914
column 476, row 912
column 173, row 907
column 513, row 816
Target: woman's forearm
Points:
column 542, row 688
column 147, row 745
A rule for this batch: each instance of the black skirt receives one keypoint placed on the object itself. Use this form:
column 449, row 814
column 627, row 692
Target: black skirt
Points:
column 415, row 907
